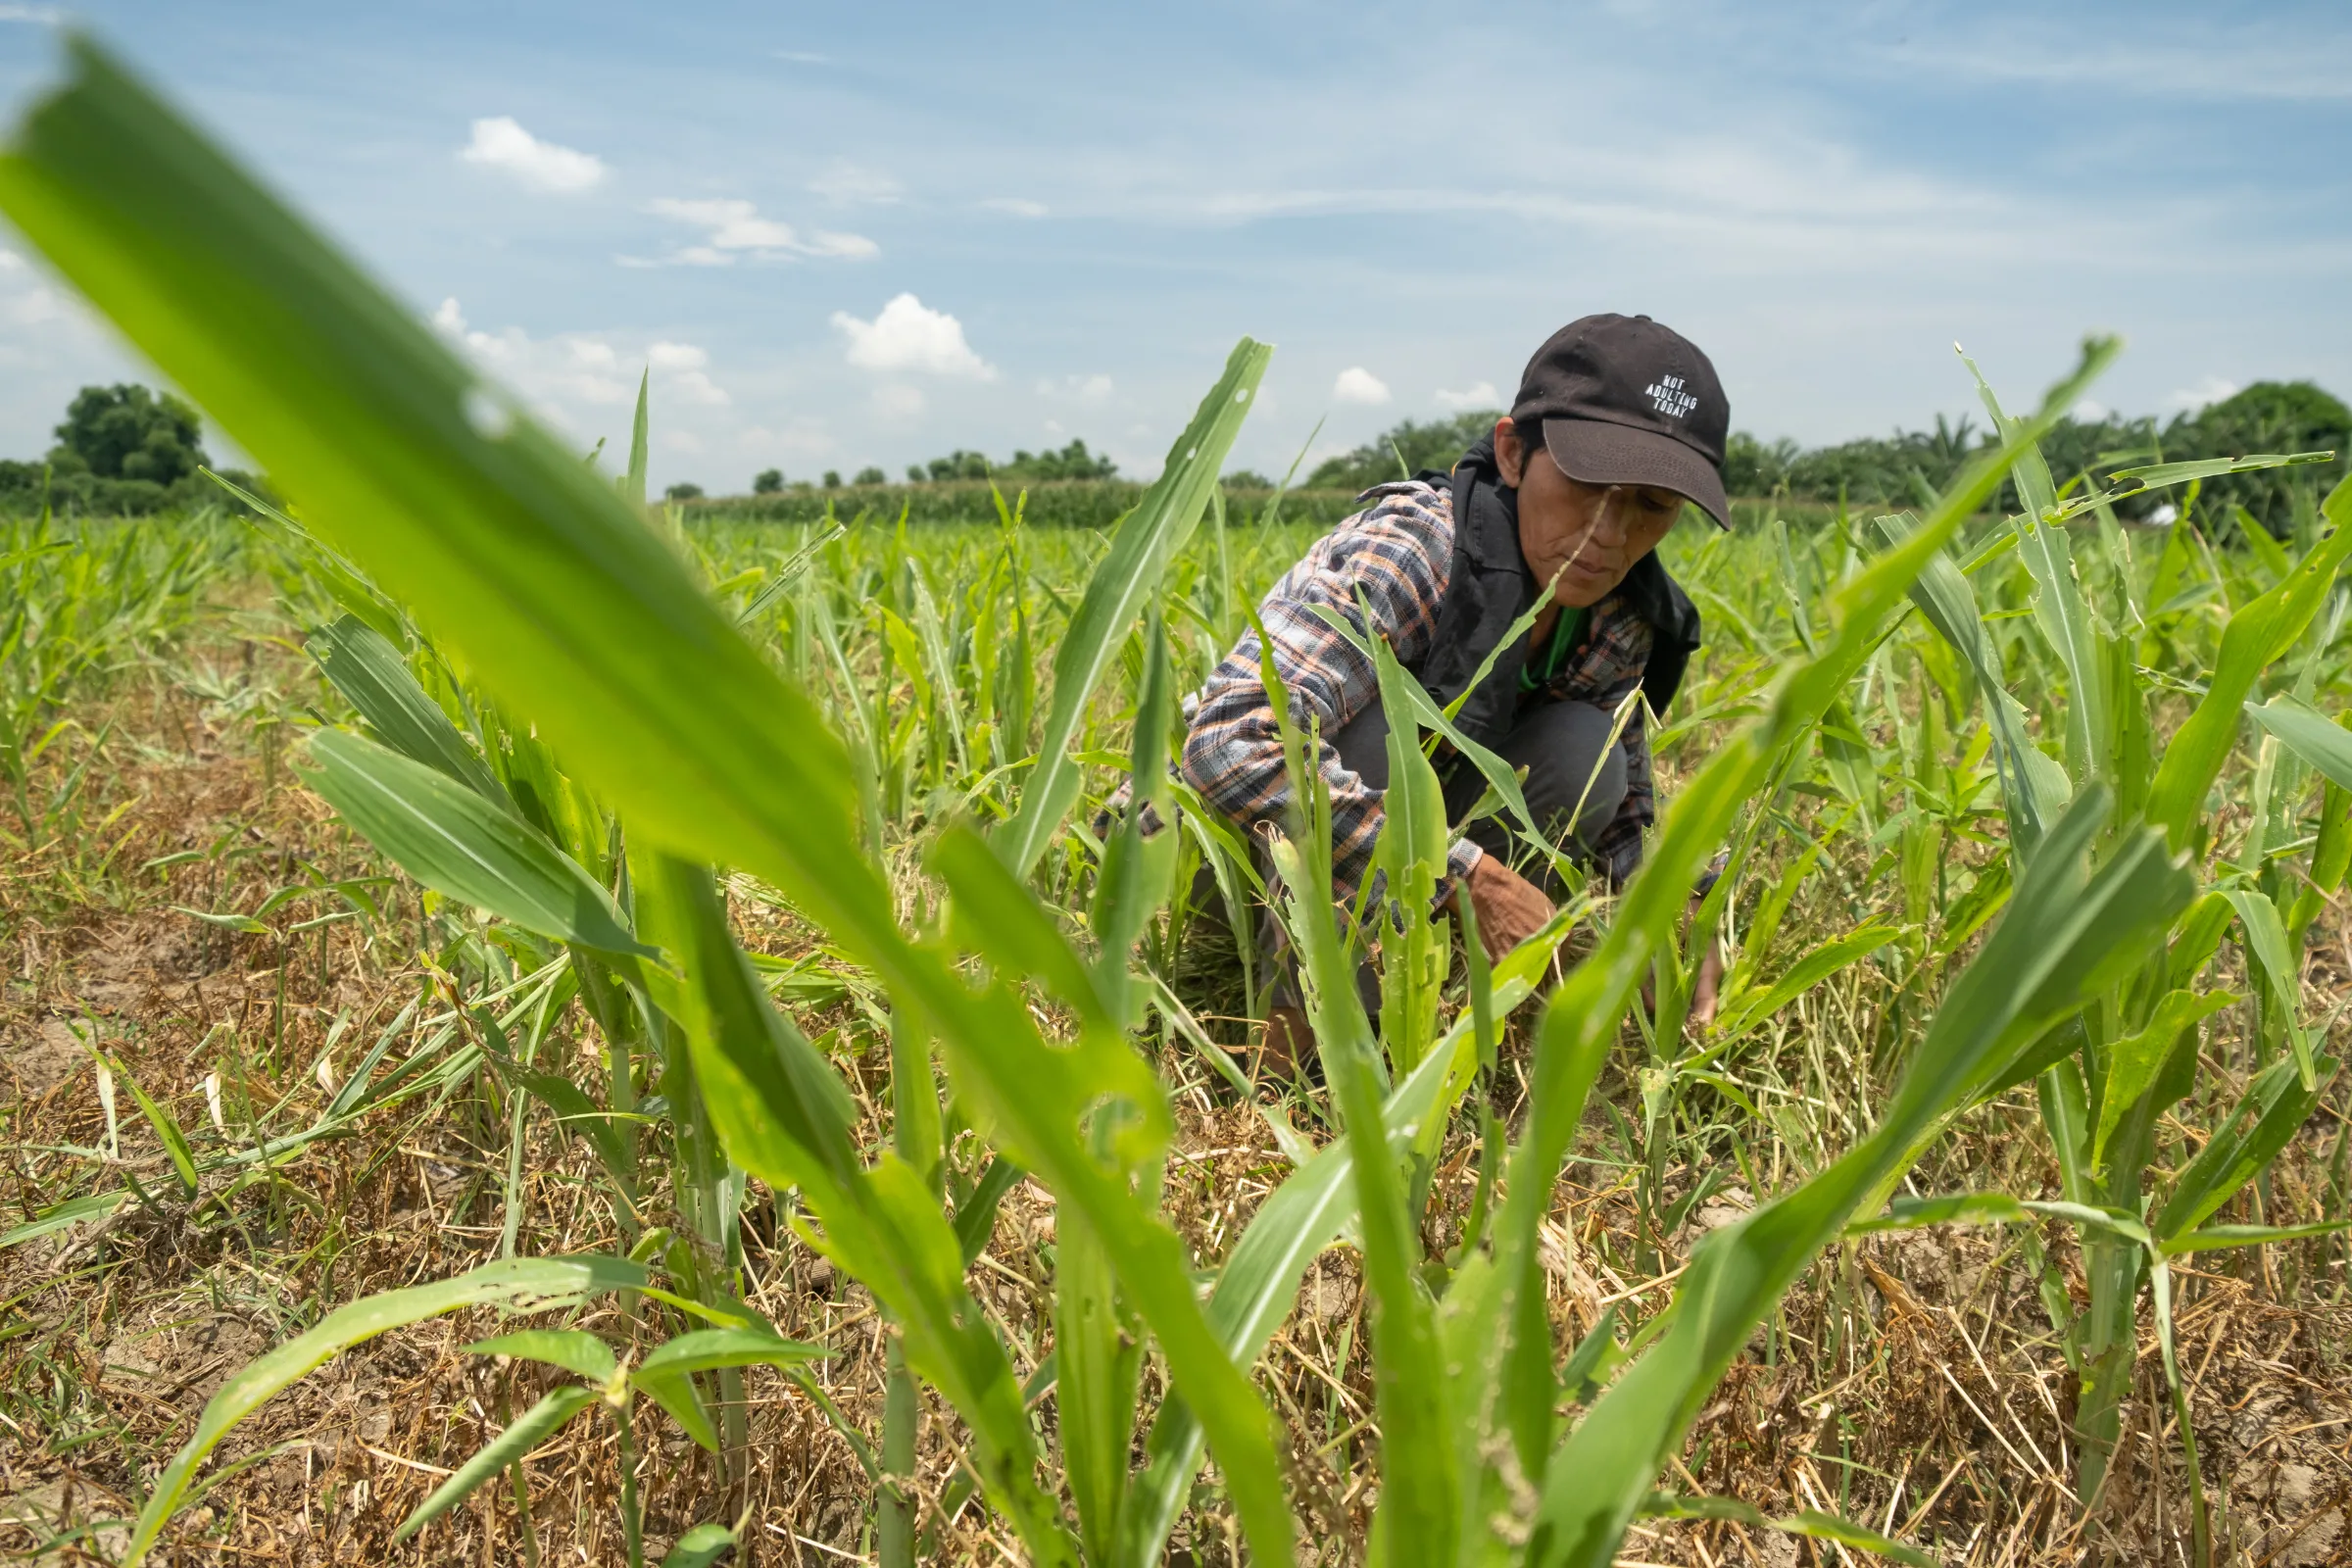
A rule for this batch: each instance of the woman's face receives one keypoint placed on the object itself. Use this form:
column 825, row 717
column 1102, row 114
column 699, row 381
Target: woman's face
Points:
column 1588, row 536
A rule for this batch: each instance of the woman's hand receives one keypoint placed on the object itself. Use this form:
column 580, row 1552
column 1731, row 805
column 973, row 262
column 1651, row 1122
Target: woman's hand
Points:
column 1509, row 908
column 1708, row 980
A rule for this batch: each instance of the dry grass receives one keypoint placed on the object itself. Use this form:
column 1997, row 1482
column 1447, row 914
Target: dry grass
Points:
column 1912, row 1382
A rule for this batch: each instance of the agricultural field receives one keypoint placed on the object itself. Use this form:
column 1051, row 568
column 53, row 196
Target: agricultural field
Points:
column 541, row 1028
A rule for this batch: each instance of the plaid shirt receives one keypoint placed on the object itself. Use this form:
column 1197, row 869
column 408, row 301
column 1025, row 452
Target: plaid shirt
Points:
column 1399, row 551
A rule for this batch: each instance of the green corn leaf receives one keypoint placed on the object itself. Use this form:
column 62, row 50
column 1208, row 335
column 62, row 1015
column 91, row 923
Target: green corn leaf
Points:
column 2032, row 792
column 976, row 1216
column 2268, row 952
column 1420, row 1484
column 682, row 1401
column 325, row 564
column 576, row 1112
column 2059, row 609
column 72, row 1211
column 1297, row 1220
column 2128, row 482
column 1136, row 868
column 1413, row 698
column 368, row 669
column 572, row 610
column 995, row 914
column 1032, row 1099
column 572, row 1350
column 516, row 1285
column 2212, row 1238
column 1597, row 1355
column 1585, row 1012
column 1802, row 976
column 167, row 1129
column 791, row 572
column 701, row 1546
column 708, row 1349
column 549, row 584
column 632, row 480
column 2259, row 632
column 2271, row 1111
column 2321, row 741
column 244, row 924
column 2065, row 1102
column 458, row 844
column 1126, row 580
column 783, row 1115
column 1410, row 857
column 2196, row 938
column 1808, row 1523
column 1996, row 1209
column 1096, row 1368
column 533, row 1427
column 2066, row 932
column 2134, row 1061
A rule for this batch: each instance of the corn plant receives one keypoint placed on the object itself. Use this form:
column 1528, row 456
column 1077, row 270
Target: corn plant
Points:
column 2105, row 1077
column 621, row 740
column 666, row 1376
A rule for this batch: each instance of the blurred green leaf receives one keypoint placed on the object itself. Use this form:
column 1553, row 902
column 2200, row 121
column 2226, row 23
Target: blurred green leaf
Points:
column 2320, row 741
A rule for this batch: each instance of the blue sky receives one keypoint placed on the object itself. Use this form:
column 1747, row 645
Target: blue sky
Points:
column 845, row 234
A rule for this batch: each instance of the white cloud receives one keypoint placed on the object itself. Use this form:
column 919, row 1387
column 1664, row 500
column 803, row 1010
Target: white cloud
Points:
column 909, row 335
column 567, row 380
column 852, row 185
column 734, row 228
column 801, row 57
column 44, row 15
column 2212, row 389
column 1356, row 384
column 897, row 401
column 500, row 143
column 693, row 386
column 734, row 225
column 1017, row 206
column 35, row 307
column 1481, row 396
column 2089, row 410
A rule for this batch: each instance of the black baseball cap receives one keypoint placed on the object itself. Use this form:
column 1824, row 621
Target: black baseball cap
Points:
column 1626, row 401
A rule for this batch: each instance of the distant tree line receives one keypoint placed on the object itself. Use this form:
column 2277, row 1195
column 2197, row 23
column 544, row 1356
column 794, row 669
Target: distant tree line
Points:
column 1901, row 469
column 1074, row 462
column 120, row 449
column 1068, row 504
column 128, row 449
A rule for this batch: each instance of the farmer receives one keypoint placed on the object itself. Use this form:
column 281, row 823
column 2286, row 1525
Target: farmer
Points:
column 1618, row 421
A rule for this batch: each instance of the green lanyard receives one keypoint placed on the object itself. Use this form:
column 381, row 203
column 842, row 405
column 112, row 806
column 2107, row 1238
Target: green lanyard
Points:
column 1566, row 633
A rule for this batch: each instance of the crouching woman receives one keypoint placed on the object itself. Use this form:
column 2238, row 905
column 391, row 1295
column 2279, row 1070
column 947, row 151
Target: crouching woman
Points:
column 1617, row 424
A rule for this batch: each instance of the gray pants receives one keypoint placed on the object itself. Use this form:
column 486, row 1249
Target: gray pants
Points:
column 1569, row 757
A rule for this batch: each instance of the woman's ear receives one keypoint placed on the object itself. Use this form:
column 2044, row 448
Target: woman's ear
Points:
column 1510, row 453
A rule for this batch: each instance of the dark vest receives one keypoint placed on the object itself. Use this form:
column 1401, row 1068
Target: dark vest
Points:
column 1492, row 586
